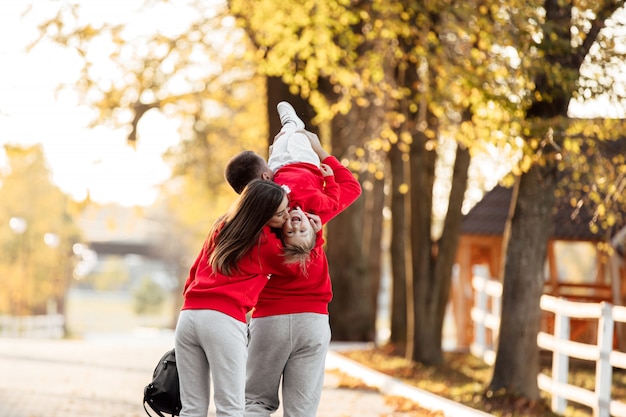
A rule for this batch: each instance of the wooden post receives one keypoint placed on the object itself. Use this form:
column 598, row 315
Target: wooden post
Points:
column 496, row 310
column 560, row 361
column 604, row 370
column 479, row 314
column 617, row 299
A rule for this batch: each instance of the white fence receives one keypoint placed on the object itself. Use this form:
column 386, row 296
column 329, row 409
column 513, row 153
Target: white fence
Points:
column 486, row 317
column 603, row 354
column 50, row 326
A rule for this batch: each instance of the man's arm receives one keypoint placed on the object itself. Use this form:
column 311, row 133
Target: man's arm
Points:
column 316, row 145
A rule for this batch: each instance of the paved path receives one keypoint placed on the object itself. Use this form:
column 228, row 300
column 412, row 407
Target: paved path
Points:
column 104, row 377
column 101, row 377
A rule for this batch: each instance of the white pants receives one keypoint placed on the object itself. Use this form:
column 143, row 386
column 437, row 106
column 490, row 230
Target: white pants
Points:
column 291, row 145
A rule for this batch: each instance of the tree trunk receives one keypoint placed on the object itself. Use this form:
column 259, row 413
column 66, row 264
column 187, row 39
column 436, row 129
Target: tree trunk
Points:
column 399, row 250
column 432, row 261
column 425, row 332
column 517, row 361
column 448, row 243
column 373, row 238
column 352, row 311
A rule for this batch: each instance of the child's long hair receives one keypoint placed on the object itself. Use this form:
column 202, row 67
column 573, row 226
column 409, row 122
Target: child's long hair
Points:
column 239, row 230
column 299, row 254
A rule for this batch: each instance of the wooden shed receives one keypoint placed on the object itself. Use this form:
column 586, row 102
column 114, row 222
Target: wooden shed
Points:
column 575, row 269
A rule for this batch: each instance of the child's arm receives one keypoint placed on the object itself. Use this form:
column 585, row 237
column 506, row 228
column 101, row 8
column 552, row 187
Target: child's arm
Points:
column 343, row 179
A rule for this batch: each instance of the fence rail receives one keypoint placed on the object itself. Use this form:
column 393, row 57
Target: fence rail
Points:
column 486, row 317
column 487, row 305
column 50, row 326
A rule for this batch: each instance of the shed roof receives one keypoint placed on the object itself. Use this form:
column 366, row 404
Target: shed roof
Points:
column 488, row 216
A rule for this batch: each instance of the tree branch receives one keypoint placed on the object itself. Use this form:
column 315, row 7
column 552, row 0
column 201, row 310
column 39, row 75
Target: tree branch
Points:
column 609, row 7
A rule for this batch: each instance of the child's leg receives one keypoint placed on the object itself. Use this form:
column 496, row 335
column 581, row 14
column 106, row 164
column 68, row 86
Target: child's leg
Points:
column 290, row 147
column 288, row 116
column 290, row 144
column 300, row 150
column 279, row 152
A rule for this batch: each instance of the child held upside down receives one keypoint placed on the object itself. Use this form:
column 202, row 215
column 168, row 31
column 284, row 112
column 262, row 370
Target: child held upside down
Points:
column 310, row 184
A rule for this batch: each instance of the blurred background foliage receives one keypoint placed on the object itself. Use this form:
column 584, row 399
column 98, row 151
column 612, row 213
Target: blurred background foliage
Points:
column 36, row 236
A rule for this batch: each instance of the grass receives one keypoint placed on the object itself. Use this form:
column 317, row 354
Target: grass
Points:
column 463, row 378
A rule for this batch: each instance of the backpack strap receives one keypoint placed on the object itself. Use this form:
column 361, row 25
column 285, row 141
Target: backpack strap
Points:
column 148, row 413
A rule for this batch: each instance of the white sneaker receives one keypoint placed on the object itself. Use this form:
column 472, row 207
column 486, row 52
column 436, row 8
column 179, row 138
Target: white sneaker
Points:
column 288, row 115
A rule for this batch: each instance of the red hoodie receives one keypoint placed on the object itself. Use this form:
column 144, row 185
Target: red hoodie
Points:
column 290, row 294
column 236, row 294
column 314, row 193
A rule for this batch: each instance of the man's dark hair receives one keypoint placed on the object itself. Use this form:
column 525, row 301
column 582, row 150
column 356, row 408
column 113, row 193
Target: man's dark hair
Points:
column 243, row 168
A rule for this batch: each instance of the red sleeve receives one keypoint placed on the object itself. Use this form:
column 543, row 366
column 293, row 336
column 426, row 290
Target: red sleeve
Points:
column 202, row 256
column 332, row 193
column 348, row 186
column 325, row 200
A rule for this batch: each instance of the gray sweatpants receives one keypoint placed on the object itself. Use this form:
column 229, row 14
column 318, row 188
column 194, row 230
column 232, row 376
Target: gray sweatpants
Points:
column 208, row 341
column 293, row 346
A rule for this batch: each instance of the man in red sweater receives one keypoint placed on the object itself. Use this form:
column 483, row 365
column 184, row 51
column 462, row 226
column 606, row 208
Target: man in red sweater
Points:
column 289, row 329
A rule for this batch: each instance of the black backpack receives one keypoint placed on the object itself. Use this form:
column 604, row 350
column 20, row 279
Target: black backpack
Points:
column 163, row 393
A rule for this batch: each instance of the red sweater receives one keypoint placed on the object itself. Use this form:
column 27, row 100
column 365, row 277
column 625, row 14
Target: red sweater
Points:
column 290, row 294
column 235, row 295
column 314, row 193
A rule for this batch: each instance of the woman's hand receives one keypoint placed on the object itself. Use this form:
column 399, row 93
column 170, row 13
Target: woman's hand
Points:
column 316, row 222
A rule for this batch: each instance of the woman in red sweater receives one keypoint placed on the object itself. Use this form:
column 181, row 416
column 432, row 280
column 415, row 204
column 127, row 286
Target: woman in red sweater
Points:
column 236, row 261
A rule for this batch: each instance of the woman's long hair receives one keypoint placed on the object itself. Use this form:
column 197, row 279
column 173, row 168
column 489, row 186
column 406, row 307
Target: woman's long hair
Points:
column 239, row 230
